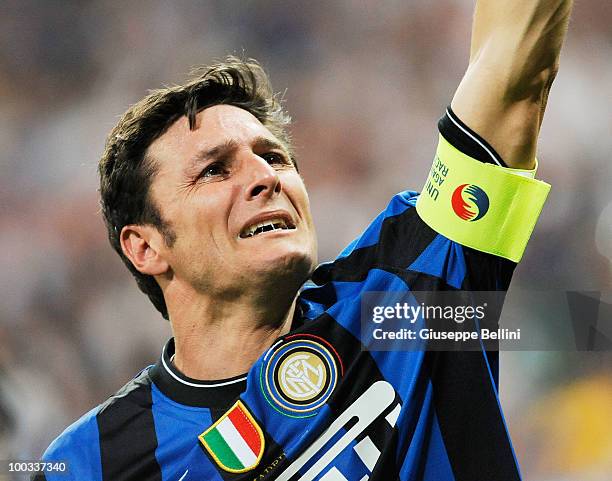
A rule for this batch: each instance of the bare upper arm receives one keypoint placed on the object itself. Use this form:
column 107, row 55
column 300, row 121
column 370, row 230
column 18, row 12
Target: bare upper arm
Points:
column 513, row 60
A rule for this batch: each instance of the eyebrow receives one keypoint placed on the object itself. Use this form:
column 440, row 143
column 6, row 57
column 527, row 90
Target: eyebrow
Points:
column 229, row 146
column 266, row 143
column 220, row 150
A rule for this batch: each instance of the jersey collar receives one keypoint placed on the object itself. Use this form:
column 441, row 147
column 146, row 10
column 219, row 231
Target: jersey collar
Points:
column 192, row 392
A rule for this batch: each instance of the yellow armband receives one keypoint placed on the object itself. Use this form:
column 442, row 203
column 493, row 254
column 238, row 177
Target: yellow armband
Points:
column 484, row 206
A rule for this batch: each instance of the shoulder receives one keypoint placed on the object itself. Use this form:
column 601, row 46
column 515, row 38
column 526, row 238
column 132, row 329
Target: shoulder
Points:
column 136, row 393
column 395, row 225
column 400, row 203
column 400, row 209
column 391, row 242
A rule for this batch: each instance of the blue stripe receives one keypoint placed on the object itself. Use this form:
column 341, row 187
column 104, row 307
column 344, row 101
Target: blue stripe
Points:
column 79, row 447
column 426, row 458
column 437, row 464
column 494, row 381
column 177, row 427
column 442, row 258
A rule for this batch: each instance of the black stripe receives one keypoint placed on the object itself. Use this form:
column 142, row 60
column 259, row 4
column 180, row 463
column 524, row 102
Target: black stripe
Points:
column 474, row 435
column 419, row 281
column 38, row 477
column 127, row 434
column 486, row 272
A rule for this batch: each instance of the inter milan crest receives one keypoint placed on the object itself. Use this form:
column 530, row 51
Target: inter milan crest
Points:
column 299, row 374
column 235, row 441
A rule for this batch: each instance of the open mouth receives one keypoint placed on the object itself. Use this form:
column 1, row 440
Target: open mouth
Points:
column 266, row 226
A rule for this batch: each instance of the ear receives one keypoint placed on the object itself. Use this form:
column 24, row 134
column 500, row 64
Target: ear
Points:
column 141, row 244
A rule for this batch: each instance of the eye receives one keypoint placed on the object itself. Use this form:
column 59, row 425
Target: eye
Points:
column 213, row 170
column 274, row 158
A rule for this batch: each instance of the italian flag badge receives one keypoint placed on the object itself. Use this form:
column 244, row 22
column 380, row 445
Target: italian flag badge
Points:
column 235, row 441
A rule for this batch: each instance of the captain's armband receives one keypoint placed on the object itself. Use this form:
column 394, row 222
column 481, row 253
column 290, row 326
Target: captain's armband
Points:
column 486, row 207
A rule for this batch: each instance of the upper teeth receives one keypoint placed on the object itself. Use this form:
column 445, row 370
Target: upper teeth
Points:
column 272, row 224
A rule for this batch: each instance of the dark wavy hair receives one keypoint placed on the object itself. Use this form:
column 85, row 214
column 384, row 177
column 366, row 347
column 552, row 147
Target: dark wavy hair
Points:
column 125, row 169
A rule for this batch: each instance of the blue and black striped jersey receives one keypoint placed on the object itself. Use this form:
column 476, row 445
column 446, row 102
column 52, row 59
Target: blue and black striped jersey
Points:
column 317, row 405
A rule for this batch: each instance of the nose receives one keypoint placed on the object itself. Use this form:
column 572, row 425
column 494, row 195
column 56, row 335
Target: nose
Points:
column 263, row 179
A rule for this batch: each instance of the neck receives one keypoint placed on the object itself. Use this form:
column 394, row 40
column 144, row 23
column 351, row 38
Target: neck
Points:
column 217, row 339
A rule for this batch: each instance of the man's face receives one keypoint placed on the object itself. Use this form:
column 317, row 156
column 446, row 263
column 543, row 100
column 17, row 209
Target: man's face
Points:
column 237, row 205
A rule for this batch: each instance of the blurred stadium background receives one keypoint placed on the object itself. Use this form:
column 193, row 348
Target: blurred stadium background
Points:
column 365, row 83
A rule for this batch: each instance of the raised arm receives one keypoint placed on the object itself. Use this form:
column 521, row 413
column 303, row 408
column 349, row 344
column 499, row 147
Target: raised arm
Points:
column 514, row 58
